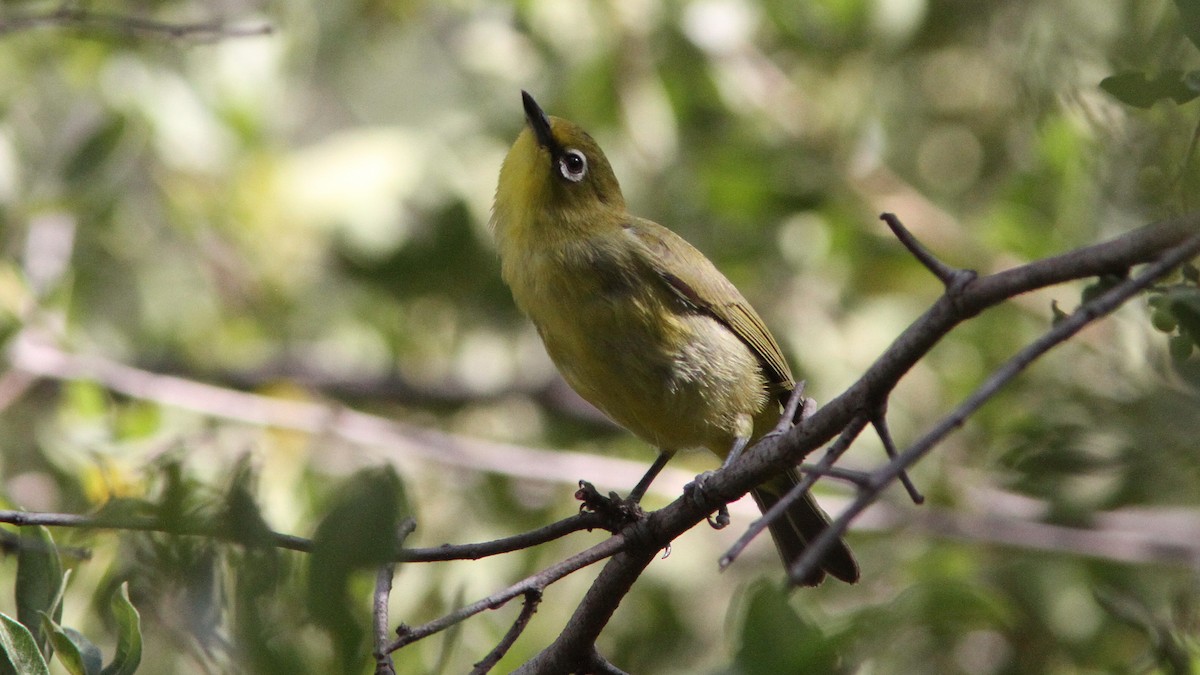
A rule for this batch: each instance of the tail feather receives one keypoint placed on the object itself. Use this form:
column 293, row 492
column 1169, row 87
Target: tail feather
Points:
column 801, row 524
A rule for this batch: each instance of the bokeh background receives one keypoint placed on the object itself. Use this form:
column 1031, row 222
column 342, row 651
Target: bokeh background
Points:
column 303, row 215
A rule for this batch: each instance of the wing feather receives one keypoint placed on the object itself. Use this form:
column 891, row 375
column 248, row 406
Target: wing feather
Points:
column 696, row 281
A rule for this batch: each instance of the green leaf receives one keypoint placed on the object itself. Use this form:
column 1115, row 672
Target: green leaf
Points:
column 1180, row 347
column 1135, row 89
column 1189, row 19
column 76, row 653
column 129, row 635
column 358, row 532
column 39, row 582
column 1185, row 307
column 21, row 653
column 242, row 519
column 96, row 150
column 776, row 639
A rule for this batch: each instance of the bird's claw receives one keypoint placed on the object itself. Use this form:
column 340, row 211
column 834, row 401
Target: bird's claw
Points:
column 700, row 497
column 617, row 511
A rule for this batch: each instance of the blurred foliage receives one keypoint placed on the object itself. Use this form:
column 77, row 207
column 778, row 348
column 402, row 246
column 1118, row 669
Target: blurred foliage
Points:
column 311, row 205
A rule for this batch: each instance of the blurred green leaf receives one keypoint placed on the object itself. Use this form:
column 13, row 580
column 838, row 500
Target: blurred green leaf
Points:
column 95, row 150
column 129, row 635
column 776, row 639
column 21, row 655
column 242, row 518
column 1189, row 15
column 77, row 653
column 1140, row 91
column 39, row 582
column 358, row 532
column 1185, row 307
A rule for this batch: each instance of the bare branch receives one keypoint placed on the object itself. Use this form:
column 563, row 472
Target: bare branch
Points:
column 131, row 26
column 532, row 599
column 786, row 501
column 379, row 618
column 948, row 275
column 575, row 645
column 1086, row 314
column 379, row 601
column 33, row 354
column 879, row 421
column 582, row 521
column 445, row 552
column 538, row 582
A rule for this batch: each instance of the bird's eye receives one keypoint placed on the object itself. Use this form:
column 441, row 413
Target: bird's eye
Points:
column 573, row 165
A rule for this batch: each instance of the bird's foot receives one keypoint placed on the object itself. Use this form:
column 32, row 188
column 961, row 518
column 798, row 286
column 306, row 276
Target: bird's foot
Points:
column 718, row 518
column 616, row 510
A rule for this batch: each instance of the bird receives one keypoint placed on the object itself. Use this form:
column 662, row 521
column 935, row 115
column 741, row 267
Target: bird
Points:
column 639, row 322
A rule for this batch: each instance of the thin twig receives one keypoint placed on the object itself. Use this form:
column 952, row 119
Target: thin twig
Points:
column 379, row 603
column 379, row 618
column 581, row 521
column 1086, row 314
column 532, row 598
column 407, row 635
column 779, row 508
column 859, row 478
column 33, row 353
column 948, row 275
column 445, row 552
column 71, row 17
column 879, row 421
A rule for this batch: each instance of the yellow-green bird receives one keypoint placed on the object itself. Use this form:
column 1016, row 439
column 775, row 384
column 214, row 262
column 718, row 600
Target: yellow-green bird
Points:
column 638, row 321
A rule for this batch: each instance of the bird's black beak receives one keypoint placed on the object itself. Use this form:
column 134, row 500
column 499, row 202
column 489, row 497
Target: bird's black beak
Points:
column 538, row 122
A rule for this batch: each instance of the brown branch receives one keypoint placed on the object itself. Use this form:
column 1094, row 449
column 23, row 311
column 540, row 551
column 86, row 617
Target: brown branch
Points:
column 445, row 552
column 34, row 354
column 537, row 582
column 532, row 599
column 1060, row 333
column 581, row 521
column 379, row 618
column 573, row 647
column 83, row 19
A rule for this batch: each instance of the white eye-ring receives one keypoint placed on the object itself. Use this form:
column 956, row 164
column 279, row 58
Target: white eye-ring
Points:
column 573, row 165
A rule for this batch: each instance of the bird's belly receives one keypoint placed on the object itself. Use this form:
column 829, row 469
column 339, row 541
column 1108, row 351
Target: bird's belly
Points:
column 676, row 379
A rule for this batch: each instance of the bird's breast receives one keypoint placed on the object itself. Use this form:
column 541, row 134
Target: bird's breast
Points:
column 674, row 376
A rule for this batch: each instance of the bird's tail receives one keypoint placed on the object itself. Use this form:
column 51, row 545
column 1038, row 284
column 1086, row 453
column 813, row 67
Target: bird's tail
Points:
column 801, row 524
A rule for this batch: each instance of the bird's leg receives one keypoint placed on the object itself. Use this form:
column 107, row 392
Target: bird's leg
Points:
column 696, row 487
column 619, row 511
column 656, row 468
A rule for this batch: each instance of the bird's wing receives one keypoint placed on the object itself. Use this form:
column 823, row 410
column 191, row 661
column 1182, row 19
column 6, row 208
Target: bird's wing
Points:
column 696, row 281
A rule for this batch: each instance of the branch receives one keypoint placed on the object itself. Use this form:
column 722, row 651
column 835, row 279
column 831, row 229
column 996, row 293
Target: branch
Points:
column 532, row 599
column 83, row 19
column 379, row 618
column 537, row 582
column 445, row 552
column 1086, row 314
column 34, row 355
column 574, row 645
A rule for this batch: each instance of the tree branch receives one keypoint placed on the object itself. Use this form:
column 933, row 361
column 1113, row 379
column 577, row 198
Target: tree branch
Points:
column 775, row 453
column 537, row 582
column 532, row 599
column 83, row 19
column 1060, row 333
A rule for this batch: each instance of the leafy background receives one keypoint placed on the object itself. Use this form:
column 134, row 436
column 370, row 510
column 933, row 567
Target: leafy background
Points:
column 304, row 215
